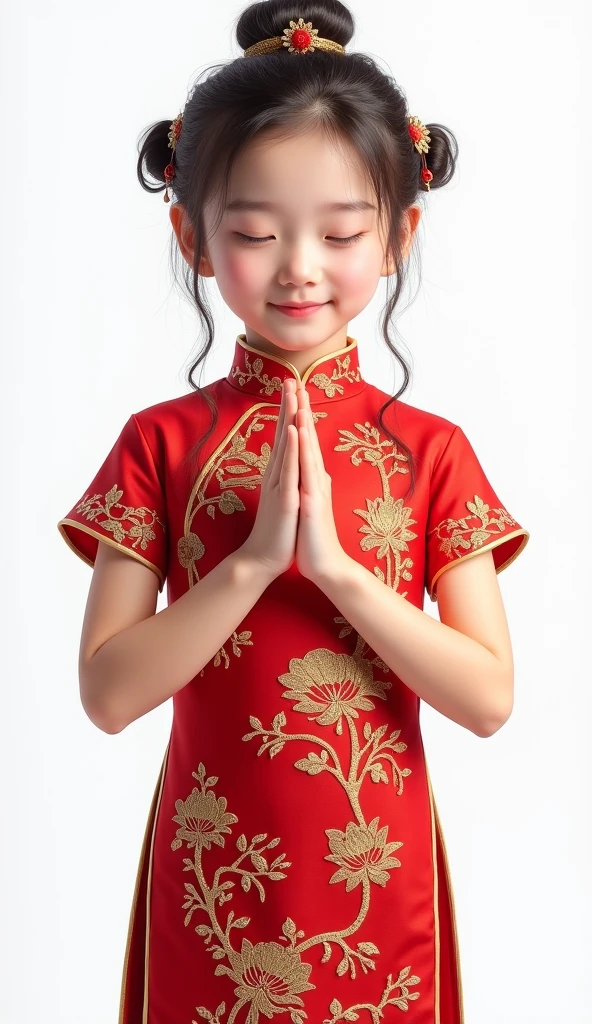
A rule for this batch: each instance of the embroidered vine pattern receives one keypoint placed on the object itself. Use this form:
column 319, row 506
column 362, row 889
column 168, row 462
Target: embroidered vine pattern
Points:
column 340, row 372
column 458, row 536
column 331, row 689
column 253, row 370
column 361, row 648
column 237, row 640
column 401, row 1001
column 234, row 462
column 141, row 519
column 326, row 384
column 387, row 520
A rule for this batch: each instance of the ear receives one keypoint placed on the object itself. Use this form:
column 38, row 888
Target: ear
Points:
column 410, row 220
column 185, row 234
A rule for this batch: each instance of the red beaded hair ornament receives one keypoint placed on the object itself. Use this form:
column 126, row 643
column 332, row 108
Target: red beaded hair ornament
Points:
column 300, row 38
column 421, row 140
column 169, row 171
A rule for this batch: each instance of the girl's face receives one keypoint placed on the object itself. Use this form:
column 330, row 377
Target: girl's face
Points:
column 300, row 226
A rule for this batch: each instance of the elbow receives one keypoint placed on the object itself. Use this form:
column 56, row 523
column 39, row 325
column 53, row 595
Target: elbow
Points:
column 500, row 707
column 96, row 710
column 102, row 720
column 492, row 723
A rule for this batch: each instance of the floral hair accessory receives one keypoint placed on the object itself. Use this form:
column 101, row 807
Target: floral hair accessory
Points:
column 300, row 37
column 169, row 171
column 421, row 140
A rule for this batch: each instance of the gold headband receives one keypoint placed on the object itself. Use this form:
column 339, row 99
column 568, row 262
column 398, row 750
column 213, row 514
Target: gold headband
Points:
column 300, row 37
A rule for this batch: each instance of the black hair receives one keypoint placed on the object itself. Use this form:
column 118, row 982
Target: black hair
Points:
column 348, row 96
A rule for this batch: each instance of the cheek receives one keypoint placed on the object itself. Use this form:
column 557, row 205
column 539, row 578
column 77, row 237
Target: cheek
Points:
column 241, row 272
column 358, row 272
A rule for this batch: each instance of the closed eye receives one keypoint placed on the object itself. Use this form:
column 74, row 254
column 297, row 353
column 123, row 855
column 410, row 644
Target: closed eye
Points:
column 350, row 240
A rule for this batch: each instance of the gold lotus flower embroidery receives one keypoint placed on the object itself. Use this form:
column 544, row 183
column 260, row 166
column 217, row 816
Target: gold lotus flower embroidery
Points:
column 387, row 520
column 271, row 977
column 328, row 686
column 361, row 852
column 203, row 819
column 268, row 977
column 103, row 512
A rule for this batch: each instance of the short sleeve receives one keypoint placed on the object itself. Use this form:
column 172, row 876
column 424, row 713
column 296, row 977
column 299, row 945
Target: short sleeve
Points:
column 124, row 505
column 465, row 515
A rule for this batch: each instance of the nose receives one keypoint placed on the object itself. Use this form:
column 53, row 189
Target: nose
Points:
column 299, row 264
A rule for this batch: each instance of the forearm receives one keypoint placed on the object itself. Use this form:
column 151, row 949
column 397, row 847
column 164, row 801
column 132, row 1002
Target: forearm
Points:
column 450, row 671
column 142, row 666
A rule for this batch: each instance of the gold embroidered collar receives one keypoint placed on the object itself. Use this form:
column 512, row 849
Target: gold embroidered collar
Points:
column 336, row 375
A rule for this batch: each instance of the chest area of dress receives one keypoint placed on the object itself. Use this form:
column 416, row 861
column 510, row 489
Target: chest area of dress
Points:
column 377, row 523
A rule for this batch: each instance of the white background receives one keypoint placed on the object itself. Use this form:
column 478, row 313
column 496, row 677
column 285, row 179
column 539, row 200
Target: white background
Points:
column 499, row 339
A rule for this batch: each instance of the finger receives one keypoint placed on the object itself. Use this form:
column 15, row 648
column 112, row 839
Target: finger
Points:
column 283, row 418
column 316, row 459
column 308, row 474
column 288, row 478
column 278, row 435
column 289, row 411
column 316, row 444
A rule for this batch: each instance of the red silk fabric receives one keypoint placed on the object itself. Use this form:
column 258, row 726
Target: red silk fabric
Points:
column 293, row 864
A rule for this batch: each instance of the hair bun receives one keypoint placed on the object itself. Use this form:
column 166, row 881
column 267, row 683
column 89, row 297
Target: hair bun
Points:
column 154, row 155
column 265, row 20
column 442, row 154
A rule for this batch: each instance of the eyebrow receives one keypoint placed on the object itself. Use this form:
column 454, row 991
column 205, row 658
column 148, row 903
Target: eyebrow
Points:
column 357, row 205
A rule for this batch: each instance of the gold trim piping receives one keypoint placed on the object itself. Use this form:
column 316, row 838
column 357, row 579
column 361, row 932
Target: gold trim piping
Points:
column 207, row 465
column 451, row 903
column 436, row 910
column 486, row 547
column 148, row 883
column 284, row 362
column 107, row 540
column 132, row 915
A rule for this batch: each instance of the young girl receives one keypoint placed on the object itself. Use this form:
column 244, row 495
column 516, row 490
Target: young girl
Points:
column 293, row 861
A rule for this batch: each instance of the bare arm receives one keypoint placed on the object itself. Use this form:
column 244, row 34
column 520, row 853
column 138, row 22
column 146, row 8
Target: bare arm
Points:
column 127, row 673
column 463, row 665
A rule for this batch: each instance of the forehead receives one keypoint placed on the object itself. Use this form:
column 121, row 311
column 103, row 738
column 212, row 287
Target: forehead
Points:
column 303, row 171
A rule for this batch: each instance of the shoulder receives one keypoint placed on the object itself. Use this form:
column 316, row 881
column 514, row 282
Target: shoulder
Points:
column 165, row 424
column 427, row 433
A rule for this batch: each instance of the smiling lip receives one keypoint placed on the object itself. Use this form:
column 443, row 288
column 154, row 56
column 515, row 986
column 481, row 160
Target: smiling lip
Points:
column 295, row 309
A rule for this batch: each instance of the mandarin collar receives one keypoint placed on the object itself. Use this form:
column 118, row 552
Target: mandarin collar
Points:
column 334, row 376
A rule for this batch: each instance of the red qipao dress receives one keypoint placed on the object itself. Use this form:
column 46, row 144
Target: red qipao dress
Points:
column 293, row 865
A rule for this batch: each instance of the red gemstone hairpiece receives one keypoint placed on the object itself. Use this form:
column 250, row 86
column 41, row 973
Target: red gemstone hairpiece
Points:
column 169, row 171
column 421, row 140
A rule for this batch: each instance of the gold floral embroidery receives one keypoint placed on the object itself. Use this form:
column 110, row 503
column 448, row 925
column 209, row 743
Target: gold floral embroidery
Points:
column 244, row 468
column 254, row 370
column 238, row 640
column 235, row 460
column 361, row 853
column 142, row 519
column 458, row 537
column 202, row 817
column 329, row 384
column 401, row 1001
column 330, row 685
column 387, row 520
column 269, row 976
column 362, row 647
